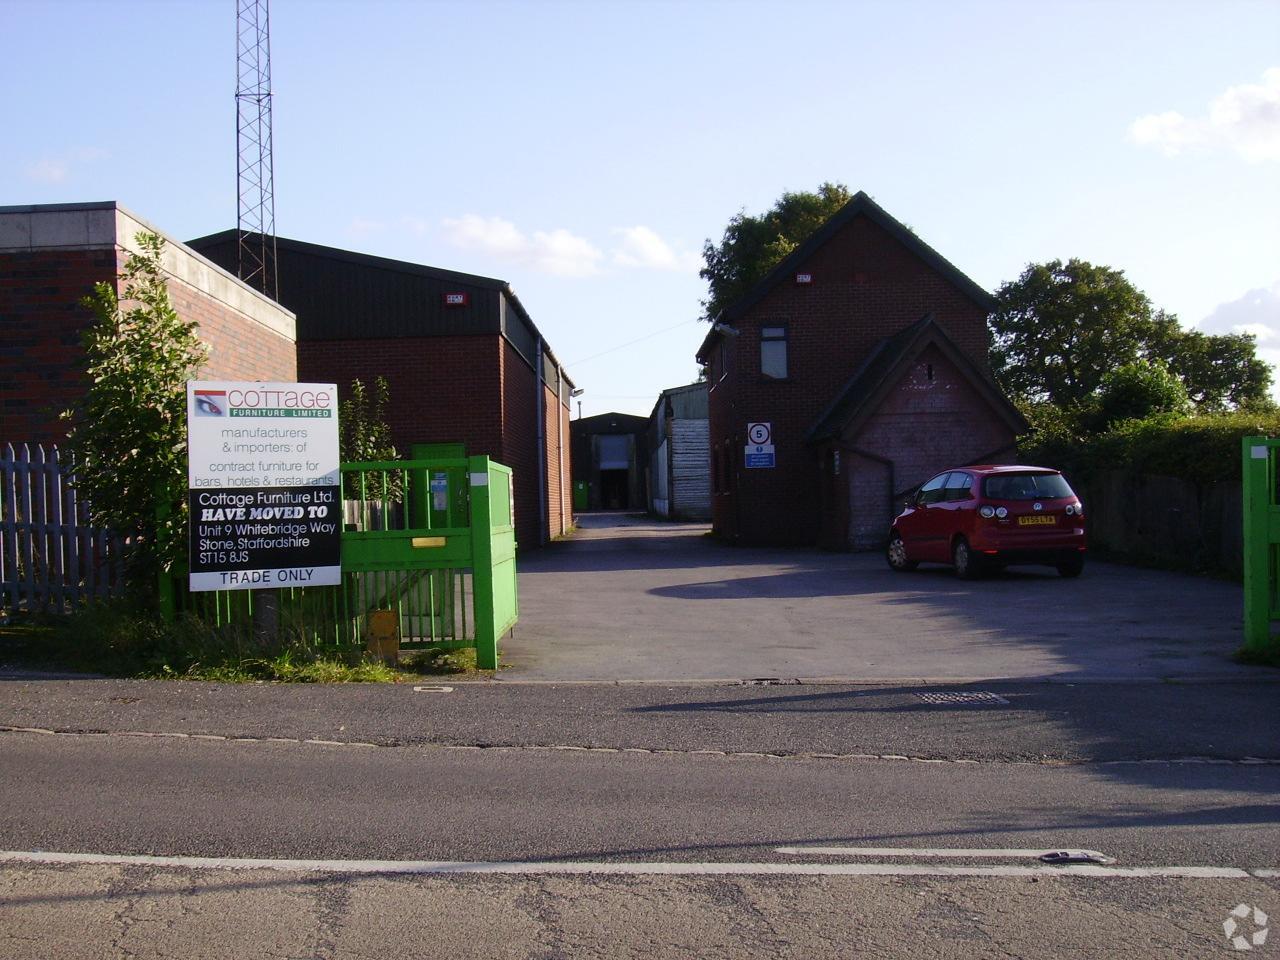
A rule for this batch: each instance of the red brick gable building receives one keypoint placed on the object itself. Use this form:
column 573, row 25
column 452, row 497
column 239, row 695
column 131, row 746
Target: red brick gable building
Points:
column 866, row 353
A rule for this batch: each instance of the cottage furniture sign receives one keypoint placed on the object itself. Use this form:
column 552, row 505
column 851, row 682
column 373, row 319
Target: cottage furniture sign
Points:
column 263, row 485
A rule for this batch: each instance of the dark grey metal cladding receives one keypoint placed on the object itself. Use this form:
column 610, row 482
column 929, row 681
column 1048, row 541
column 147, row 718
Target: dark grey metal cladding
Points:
column 517, row 329
column 340, row 295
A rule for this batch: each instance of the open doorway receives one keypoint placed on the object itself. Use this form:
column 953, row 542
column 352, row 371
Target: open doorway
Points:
column 615, row 489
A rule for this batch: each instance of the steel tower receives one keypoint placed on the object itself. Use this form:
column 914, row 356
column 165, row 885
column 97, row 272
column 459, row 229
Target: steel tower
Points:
column 256, row 213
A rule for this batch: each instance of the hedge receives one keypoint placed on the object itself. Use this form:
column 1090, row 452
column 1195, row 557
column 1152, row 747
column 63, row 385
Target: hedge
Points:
column 1202, row 448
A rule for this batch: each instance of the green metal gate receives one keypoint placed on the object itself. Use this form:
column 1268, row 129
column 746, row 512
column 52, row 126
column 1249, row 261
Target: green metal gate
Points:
column 1261, row 546
column 430, row 542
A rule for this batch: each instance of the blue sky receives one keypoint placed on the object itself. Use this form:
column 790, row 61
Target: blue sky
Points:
column 584, row 151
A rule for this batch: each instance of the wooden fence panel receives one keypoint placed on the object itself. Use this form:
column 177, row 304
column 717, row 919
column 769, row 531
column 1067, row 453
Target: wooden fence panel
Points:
column 51, row 557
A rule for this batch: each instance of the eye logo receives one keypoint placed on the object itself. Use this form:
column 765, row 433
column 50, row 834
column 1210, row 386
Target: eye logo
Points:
column 211, row 403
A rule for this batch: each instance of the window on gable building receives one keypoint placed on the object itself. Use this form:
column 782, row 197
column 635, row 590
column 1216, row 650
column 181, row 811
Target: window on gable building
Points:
column 773, row 352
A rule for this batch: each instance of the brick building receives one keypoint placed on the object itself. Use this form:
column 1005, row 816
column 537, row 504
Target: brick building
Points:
column 51, row 255
column 461, row 356
column 866, row 354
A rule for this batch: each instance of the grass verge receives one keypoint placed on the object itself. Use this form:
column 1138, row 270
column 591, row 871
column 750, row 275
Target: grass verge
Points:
column 112, row 640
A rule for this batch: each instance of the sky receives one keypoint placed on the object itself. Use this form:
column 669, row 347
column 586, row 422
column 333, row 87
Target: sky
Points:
column 585, row 151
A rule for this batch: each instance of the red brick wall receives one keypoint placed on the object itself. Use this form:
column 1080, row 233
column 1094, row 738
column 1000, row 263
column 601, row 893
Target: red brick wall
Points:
column 41, row 361
column 442, row 389
column 239, row 348
column 866, row 286
column 923, row 426
column 520, row 443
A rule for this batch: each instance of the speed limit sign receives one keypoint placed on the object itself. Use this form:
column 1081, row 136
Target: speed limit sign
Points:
column 759, row 433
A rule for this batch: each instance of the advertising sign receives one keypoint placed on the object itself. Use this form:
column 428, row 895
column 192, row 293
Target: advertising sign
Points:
column 263, row 485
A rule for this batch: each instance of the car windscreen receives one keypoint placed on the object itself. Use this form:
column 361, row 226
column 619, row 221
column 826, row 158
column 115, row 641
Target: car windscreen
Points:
column 1026, row 486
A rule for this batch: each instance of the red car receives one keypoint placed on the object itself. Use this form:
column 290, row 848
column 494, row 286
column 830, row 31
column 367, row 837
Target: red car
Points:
column 990, row 516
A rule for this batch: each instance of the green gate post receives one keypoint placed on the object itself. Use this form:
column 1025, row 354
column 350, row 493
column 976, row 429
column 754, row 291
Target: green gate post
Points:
column 1260, row 537
column 482, row 564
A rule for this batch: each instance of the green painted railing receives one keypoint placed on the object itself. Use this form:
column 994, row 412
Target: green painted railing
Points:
column 430, row 540
column 1261, row 544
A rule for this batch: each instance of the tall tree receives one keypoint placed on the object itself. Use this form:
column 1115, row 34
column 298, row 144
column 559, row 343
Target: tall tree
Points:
column 1060, row 329
column 752, row 246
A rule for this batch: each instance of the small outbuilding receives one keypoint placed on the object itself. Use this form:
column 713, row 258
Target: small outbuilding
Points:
column 854, row 370
column 609, row 458
column 679, row 475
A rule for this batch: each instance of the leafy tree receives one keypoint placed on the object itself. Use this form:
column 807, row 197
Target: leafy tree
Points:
column 129, row 437
column 1138, row 390
column 1059, row 329
column 1222, row 371
column 362, row 418
column 752, row 246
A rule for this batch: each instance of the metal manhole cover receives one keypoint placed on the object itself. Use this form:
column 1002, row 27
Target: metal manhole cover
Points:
column 964, row 697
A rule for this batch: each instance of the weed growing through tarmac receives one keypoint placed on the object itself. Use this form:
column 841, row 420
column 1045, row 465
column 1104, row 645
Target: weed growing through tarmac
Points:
column 111, row 639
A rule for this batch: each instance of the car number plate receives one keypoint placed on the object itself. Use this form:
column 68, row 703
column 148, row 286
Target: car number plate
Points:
column 1037, row 521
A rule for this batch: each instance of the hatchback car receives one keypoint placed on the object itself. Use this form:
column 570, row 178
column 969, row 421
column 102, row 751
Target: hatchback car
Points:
column 990, row 516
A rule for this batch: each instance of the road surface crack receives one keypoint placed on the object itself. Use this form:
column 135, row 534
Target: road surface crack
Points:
column 801, row 755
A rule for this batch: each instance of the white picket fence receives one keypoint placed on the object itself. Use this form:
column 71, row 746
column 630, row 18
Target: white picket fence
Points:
column 51, row 559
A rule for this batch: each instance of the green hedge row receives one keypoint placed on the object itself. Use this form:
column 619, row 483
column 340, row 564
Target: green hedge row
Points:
column 1203, row 448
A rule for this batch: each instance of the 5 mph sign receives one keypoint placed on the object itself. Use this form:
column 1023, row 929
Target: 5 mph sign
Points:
column 758, row 452
column 263, row 485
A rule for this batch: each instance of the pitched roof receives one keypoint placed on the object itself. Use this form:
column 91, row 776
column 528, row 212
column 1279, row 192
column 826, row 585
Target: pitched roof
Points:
column 860, row 204
column 886, row 365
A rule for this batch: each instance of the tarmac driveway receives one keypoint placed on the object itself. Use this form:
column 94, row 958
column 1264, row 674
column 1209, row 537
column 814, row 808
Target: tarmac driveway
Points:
column 627, row 598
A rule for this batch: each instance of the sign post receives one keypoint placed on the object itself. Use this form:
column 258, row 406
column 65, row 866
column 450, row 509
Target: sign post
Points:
column 263, row 485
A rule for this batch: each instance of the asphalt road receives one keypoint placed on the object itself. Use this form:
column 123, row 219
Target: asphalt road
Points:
column 1018, row 721
column 181, row 796
column 599, row 775
column 636, row 599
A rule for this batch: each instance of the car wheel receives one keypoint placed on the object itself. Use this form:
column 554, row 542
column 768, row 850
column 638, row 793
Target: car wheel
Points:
column 968, row 567
column 896, row 554
column 1072, row 567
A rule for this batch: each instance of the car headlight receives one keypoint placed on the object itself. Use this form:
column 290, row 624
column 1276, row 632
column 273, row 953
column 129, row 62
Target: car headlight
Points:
column 986, row 511
column 1001, row 512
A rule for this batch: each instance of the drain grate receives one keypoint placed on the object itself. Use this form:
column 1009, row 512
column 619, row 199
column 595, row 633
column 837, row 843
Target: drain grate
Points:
column 963, row 697
column 769, row 682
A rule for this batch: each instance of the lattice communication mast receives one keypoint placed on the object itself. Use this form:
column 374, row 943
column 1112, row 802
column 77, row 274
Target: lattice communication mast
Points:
column 256, row 214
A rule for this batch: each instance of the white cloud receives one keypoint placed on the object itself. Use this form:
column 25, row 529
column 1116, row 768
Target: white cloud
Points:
column 642, row 247
column 48, row 170
column 557, row 252
column 362, row 227
column 57, row 169
column 1245, row 118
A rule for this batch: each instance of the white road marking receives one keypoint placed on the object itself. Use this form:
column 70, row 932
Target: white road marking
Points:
column 637, row 869
column 993, row 852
